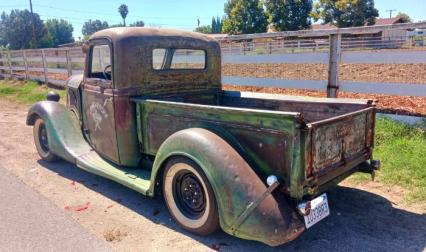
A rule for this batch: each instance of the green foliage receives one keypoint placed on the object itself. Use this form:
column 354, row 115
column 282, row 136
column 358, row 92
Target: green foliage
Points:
column 404, row 17
column 25, row 92
column 123, row 10
column 116, row 25
column 58, row 32
column 401, row 148
column 46, row 41
column 244, row 16
column 289, row 15
column 138, row 23
column 345, row 13
column 216, row 25
column 93, row 26
column 16, row 29
column 207, row 29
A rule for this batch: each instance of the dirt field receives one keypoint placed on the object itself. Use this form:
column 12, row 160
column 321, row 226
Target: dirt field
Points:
column 365, row 217
column 398, row 73
column 402, row 105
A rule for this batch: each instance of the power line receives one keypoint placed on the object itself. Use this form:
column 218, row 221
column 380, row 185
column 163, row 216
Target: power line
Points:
column 390, row 12
column 112, row 14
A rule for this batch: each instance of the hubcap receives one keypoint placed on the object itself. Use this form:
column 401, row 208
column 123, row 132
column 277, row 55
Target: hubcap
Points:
column 43, row 138
column 189, row 195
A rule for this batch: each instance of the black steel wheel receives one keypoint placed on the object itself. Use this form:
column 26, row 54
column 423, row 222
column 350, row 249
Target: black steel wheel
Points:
column 189, row 196
column 42, row 142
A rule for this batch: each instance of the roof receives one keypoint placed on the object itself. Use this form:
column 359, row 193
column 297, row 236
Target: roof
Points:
column 387, row 21
column 379, row 21
column 119, row 33
column 323, row 27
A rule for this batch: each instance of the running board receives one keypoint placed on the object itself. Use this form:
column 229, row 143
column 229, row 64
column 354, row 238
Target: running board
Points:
column 133, row 178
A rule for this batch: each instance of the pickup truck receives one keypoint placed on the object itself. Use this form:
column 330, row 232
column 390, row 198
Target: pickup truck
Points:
column 150, row 113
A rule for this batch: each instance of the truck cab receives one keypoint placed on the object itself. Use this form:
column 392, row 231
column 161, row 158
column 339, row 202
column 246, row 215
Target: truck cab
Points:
column 149, row 112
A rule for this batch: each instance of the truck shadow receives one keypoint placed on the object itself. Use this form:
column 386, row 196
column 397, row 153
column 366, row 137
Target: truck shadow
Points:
column 359, row 220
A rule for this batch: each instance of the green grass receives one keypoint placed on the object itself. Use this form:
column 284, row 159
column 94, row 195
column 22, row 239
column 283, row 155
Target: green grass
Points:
column 25, row 92
column 402, row 151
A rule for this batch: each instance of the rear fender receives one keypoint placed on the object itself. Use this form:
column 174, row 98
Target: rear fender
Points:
column 235, row 185
column 64, row 133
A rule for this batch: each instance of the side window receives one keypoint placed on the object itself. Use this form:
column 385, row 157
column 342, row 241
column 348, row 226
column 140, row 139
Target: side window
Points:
column 101, row 62
column 166, row 59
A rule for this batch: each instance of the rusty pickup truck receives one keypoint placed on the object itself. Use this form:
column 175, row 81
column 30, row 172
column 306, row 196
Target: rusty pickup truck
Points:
column 150, row 113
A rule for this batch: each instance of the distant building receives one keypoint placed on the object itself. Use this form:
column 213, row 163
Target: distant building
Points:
column 385, row 35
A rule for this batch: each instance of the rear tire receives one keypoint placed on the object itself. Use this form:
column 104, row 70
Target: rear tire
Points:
column 189, row 196
column 41, row 141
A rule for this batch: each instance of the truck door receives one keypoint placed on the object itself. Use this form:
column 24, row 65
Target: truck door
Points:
column 97, row 100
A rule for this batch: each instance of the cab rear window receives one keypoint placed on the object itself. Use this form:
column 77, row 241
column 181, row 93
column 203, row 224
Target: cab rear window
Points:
column 169, row 58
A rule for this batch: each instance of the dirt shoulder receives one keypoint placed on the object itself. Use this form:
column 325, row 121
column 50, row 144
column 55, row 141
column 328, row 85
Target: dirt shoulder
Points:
column 363, row 217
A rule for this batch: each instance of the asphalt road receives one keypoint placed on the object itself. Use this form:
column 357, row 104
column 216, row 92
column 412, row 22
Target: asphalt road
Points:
column 363, row 218
column 30, row 222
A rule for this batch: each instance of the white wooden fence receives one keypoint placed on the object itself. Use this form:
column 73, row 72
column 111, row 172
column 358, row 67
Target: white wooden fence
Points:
column 56, row 65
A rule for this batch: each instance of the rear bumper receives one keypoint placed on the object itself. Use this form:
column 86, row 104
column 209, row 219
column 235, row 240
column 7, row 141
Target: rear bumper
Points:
column 334, row 175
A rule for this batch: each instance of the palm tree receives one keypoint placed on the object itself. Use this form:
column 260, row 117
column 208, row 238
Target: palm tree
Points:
column 123, row 10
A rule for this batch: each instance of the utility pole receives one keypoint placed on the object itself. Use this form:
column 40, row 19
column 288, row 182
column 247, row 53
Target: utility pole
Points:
column 390, row 12
column 34, row 40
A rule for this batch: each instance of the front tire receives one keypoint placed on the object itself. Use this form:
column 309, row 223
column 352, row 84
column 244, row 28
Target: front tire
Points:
column 189, row 196
column 41, row 141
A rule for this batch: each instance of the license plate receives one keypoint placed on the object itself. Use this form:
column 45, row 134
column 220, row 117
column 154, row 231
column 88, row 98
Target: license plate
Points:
column 319, row 210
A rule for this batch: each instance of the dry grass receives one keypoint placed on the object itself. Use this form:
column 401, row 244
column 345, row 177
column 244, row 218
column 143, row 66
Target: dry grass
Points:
column 114, row 235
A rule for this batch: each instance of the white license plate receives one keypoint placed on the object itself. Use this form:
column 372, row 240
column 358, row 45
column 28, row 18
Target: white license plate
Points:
column 319, row 210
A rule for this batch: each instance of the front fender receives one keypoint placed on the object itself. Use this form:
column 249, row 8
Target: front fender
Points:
column 63, row 129
column 235, row 185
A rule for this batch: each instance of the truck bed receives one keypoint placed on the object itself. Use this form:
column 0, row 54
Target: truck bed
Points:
column 298, row 138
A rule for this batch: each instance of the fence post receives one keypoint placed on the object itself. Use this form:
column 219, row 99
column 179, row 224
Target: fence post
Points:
column 333, row 66
column 9, row 61
column 69, row 63
column 43, row 56
column 25, row 64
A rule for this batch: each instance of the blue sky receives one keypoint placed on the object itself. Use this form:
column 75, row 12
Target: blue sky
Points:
column 181, row 14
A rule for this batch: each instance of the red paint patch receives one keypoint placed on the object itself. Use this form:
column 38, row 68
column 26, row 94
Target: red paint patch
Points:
column 78, row 208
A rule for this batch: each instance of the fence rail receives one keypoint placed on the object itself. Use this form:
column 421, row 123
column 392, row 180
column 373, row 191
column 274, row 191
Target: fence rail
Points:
column 56, row 65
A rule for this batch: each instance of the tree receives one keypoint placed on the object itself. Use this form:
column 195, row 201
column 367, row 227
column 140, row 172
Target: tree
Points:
column 219, row 23
column 16, row 29
column 91, row 27
column 244, row 16
column 404, row 17
column 139, row 23
column 123, row 10
column 204, row 29
column 58, row 32
column 346, row 13
column 289, row 15
column 216, row 26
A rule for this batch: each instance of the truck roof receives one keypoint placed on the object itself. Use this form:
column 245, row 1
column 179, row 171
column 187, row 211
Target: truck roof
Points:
column 118, row 33
column 132, row 57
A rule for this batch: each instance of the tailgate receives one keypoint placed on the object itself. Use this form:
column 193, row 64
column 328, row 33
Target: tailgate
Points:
column 340, row 140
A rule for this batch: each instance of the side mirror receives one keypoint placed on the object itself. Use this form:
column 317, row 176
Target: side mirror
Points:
column 85, row 47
